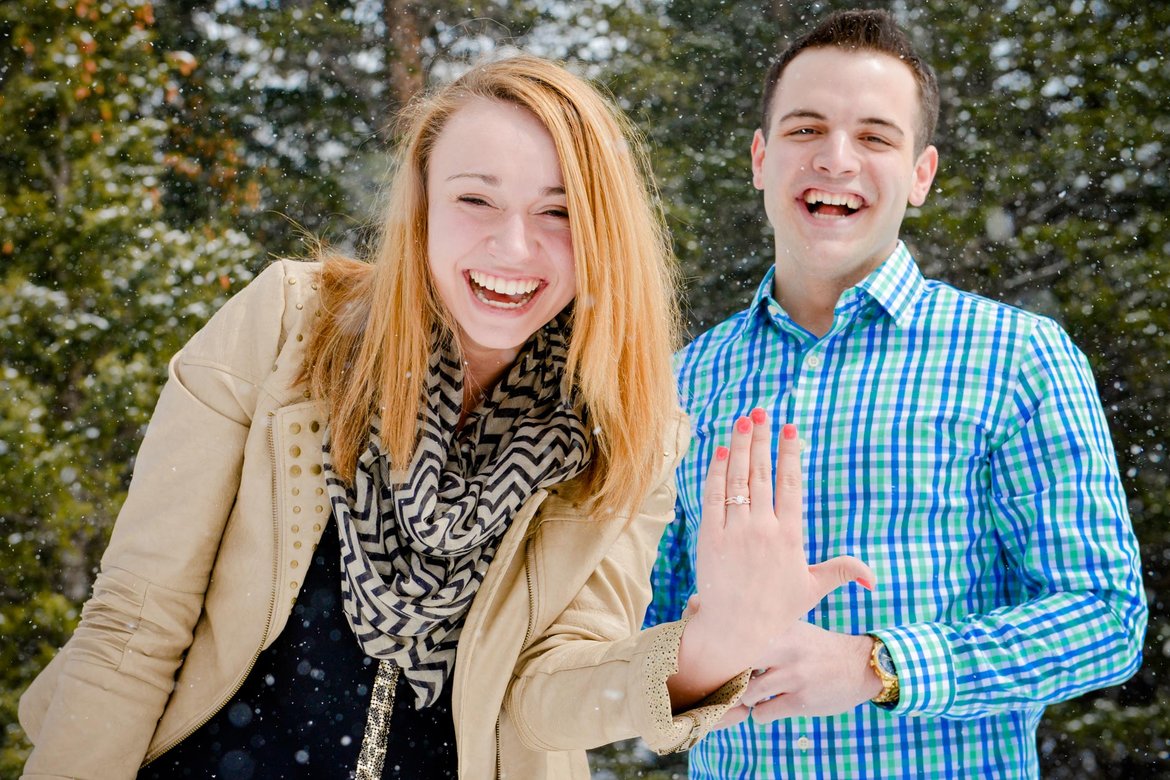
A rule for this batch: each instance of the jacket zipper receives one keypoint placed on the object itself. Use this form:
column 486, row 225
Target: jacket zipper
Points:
column 528, row 557
column 499, row 769
column 271, row 608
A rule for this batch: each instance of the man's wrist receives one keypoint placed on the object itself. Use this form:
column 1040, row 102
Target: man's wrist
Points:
column 882, row 665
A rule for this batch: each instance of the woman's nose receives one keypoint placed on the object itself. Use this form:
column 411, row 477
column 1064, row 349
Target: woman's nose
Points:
column 513, row 239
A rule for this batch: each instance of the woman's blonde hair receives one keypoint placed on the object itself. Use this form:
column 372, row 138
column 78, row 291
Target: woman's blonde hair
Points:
column 369, row 353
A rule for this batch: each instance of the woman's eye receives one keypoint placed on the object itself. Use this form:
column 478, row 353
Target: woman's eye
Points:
column 473, row 200
column 557, row 212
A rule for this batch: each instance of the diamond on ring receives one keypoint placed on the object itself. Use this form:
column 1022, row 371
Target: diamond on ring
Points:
column 741, row 500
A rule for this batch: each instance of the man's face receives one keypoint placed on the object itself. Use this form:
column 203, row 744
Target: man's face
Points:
column 838, row 167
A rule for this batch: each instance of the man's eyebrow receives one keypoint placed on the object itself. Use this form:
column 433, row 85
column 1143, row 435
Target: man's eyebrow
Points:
column 877, row 120
column 494, row 181
column 802, row 113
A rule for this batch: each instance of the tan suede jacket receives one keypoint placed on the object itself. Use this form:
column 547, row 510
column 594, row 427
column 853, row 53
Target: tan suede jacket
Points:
column 208, row 553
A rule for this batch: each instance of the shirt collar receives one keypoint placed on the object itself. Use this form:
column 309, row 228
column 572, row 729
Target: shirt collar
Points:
column 894, row 286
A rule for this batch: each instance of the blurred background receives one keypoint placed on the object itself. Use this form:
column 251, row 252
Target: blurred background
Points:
column 155, row 155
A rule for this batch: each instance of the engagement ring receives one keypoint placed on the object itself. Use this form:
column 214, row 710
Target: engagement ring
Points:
column 741, row 500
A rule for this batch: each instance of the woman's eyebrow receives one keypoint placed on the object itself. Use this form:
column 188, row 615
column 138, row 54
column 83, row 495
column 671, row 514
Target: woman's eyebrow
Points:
column 486, row 178
column 494, row 181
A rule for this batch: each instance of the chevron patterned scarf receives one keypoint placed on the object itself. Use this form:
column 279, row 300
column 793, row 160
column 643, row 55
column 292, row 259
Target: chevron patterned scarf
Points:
column 415, row 547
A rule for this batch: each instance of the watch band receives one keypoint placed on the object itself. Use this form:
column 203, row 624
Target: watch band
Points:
column 882, row 664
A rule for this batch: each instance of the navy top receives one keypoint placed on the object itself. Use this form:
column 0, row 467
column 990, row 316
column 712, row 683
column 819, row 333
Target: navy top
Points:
column 302, row 710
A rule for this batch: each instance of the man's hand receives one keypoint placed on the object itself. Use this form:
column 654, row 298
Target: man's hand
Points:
column 812, row 672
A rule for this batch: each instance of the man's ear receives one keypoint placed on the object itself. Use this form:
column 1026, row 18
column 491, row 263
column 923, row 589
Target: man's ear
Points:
column 758, row 160
column 924, row 170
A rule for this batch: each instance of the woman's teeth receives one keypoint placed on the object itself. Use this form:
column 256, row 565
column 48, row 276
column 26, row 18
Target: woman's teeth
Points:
column 502, row 293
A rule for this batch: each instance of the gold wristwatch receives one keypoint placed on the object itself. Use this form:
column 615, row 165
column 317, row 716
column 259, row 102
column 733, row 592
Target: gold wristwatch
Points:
column 882, row 664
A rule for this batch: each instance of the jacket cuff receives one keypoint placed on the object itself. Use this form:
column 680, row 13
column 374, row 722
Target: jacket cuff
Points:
column 673, row 732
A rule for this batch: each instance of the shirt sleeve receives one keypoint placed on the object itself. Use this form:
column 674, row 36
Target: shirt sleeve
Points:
column 673, row 577
column 1056, row 501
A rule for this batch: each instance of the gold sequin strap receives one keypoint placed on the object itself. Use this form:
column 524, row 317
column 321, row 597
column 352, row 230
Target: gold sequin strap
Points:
column 373, row 755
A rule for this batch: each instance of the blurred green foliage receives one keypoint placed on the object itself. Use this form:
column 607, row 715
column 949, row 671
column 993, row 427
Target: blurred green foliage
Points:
column 154, row 156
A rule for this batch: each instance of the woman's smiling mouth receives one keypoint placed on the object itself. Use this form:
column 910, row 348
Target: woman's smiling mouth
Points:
column 501, row 293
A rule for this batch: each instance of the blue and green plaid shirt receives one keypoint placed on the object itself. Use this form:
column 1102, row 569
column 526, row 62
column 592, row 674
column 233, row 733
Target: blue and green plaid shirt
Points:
column 958, row 446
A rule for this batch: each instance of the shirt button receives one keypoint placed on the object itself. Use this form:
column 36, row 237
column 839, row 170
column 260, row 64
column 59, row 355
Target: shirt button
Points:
column 813, row 361
column 804, row 743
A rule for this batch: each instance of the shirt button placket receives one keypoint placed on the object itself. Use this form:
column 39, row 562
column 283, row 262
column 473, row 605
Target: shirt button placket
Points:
column 805, row 399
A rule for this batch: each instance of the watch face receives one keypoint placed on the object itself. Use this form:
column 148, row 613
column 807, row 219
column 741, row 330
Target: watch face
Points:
column 886, row 661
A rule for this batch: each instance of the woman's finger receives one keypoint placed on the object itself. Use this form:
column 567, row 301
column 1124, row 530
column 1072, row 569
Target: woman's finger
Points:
column 715, row 491
column 789, row 497
column 739, row 492
column 760, row 467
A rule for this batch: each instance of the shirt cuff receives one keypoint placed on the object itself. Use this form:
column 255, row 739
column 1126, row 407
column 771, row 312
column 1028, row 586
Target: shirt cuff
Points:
column 926, row 672
column 675, row 732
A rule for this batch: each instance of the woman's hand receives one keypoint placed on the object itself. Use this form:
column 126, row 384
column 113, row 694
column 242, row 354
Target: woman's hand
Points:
column 752, row 576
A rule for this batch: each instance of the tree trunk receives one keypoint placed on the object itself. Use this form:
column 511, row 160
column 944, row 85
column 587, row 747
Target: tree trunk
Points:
column 403, row 51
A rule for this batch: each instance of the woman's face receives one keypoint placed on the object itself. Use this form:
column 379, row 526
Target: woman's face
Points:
column 499, row 248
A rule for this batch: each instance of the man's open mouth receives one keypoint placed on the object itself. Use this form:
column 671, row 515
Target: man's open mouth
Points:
column 500, row 292
column 830, row 204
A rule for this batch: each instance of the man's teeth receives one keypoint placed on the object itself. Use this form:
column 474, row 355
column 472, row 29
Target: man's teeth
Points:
column 814, row 197
column 504, row 286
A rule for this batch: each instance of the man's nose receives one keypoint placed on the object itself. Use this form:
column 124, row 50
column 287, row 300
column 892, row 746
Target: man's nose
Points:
column 837, row 156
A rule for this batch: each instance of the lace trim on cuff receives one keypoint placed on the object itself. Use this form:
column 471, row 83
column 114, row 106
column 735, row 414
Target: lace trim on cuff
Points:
column 675, row 732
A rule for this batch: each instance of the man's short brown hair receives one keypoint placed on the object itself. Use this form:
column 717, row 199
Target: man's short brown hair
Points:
column 863, row 31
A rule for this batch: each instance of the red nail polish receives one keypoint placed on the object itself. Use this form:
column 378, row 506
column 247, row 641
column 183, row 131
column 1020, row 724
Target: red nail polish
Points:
column 743, row 425
column 758, row 416
column 721, row 453
column 864, row 583
column 789, row 431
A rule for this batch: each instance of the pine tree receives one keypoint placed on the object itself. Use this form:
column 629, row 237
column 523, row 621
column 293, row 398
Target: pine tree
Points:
column 97, row 291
